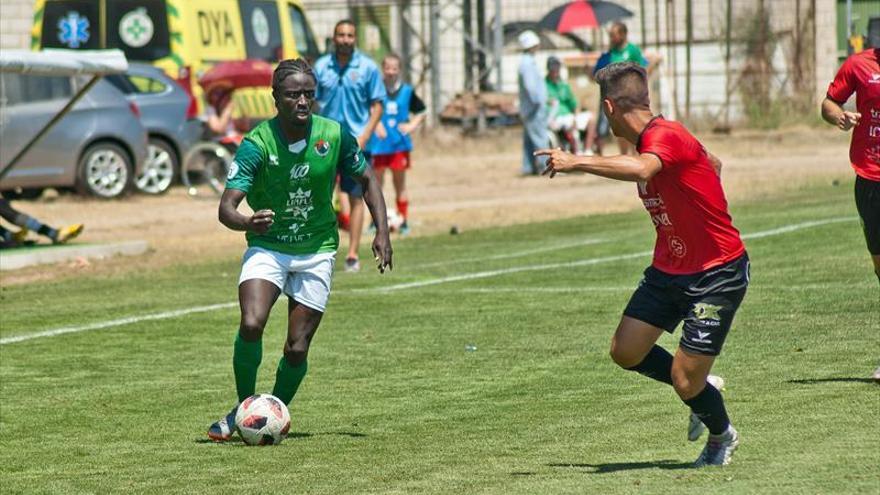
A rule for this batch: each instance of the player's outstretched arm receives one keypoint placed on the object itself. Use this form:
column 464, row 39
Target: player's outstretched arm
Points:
column 639, row 168
column 835, row 115
column 376, row 203
column 229, row 215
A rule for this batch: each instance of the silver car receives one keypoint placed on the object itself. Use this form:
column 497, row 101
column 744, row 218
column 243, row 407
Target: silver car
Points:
column 169, row 114
column 97, row 148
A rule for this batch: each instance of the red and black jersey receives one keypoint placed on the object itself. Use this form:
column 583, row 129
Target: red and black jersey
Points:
column 686, row 203
column 860, row 74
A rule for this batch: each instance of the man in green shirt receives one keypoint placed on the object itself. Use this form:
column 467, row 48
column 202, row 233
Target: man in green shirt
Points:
column 286, row 168
column 621, row 50
column 561, row 102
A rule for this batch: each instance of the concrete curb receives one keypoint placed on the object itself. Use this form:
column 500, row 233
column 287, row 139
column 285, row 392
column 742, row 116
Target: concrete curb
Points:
column 10, row 260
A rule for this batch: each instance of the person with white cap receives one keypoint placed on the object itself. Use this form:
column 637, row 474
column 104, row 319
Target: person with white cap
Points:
column 532, row 104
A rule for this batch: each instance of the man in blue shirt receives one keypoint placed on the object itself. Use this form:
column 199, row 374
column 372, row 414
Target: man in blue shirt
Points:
column 350, row 91
column 532, row 105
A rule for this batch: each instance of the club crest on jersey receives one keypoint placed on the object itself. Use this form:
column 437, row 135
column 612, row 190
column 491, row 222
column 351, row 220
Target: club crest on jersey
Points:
column 322, row 147
column 677, row 246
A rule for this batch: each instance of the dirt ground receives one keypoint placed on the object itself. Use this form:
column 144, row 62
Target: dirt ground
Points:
column 468, row 182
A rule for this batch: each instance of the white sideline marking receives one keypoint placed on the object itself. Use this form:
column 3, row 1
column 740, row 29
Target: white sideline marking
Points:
column 586, row 288
column 591, row 261
column 115, row 323
column 517, row 254
column 424, row 283
column 630, row 288
column 505, row 271
column 797, row 226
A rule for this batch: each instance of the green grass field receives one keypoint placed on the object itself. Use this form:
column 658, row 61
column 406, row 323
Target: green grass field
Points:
column 394, row 403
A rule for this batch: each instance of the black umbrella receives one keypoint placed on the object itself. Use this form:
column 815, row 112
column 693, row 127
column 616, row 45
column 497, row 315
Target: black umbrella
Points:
column 583, row 14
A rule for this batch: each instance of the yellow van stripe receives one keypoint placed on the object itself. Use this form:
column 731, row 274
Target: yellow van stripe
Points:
column 37, row 28
column 175, row 38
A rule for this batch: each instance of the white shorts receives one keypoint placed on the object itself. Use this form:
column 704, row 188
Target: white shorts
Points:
column 564, row 122
column 582, row 119
column 304, row 277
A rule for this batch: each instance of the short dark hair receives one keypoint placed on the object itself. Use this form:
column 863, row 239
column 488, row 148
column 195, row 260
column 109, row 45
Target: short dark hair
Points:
column 625, row 84
column 289, row 67
column 392, row 56
column 342, row 23
column 619, row 26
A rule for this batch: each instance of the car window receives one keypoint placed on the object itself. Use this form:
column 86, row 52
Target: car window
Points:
column 16, row 89
column 139, row 28
column 71, row 24
column 121, row 83
column 133, row 84
column 262, row 32
column 305, row 40
column 147, row 85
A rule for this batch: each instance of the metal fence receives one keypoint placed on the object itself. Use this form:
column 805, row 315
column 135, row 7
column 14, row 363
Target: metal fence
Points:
column 710, row 52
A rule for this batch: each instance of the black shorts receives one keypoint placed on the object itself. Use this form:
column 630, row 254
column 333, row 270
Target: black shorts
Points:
column 868, row 204
column 706, row 301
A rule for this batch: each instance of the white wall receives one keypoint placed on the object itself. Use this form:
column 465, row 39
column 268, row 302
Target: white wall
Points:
column 16, row 17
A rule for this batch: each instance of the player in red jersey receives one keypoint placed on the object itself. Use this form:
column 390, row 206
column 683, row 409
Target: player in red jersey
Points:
column 860, row 74
column 700, row 269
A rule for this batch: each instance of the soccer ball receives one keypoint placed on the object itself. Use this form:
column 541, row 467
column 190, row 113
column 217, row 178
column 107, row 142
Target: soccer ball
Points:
column 262, row 419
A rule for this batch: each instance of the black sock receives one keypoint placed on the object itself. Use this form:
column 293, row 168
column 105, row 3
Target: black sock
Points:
column 708, row 405
column 656, row 365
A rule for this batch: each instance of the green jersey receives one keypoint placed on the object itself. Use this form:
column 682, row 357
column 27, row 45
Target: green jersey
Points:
column 295, row 180
column 629, row 53
column 560, row 91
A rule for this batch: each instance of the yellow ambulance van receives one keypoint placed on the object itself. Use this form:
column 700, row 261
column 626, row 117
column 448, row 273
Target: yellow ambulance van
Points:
column 183, row 37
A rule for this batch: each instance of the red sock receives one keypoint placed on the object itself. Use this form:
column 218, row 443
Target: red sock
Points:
column 402, row 206
column 343, row 220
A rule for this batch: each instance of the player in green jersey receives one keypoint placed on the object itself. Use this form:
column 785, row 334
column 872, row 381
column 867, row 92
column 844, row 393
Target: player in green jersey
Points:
column 286, row 168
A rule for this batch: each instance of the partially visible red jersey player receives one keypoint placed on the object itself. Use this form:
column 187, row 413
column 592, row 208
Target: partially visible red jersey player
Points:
column 700, row 269
column 860, row 74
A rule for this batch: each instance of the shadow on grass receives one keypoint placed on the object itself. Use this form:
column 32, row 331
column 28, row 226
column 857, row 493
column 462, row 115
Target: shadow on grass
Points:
column 303, row 434
column 612, row 467
column 292, row 435
column 208, row 440
column 814, row 381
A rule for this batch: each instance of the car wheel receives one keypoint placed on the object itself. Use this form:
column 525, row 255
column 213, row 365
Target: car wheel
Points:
column 160, row 168
column 105, row 171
